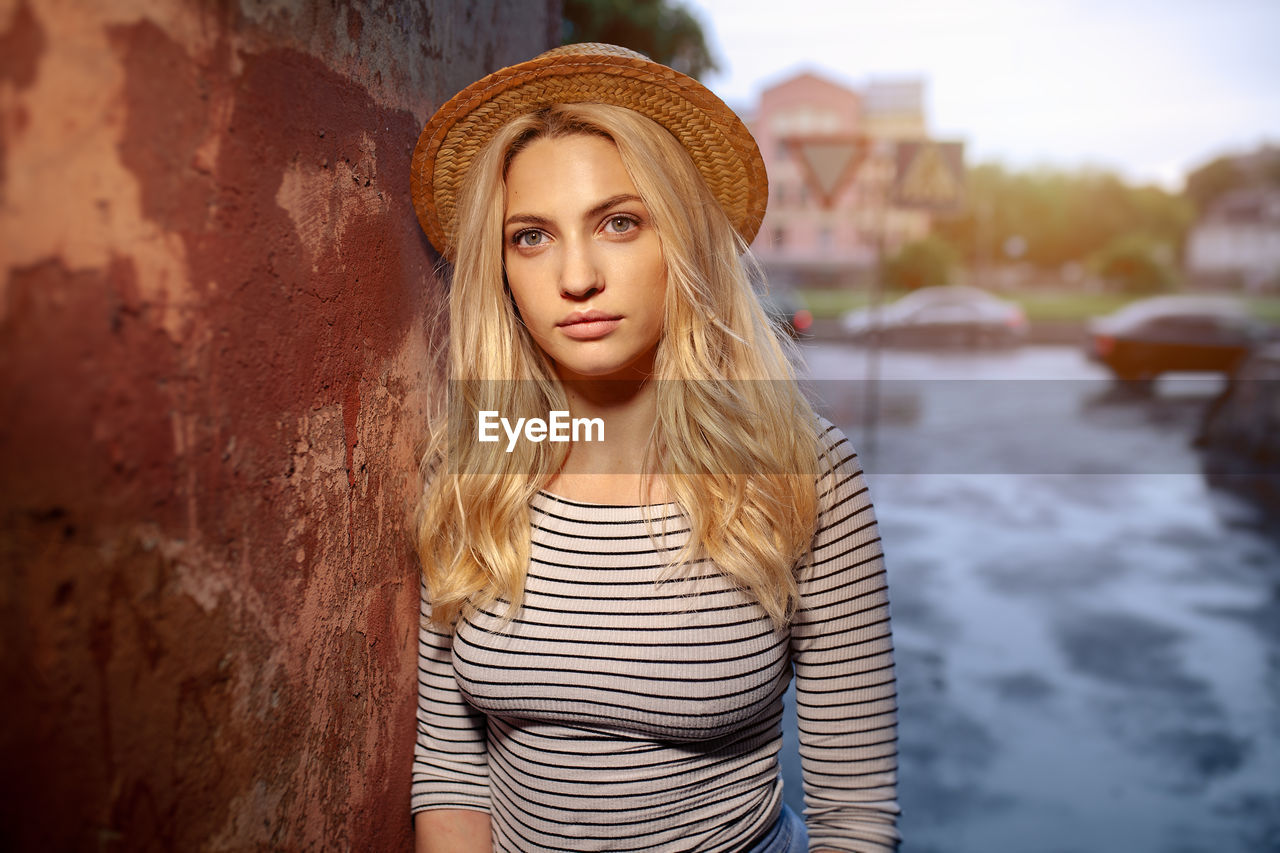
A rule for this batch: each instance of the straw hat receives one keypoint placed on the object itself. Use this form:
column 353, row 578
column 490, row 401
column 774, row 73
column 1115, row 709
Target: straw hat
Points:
column 720, row 144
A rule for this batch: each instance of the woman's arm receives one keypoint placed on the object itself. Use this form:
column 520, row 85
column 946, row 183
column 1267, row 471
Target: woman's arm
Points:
column 450, row 785
column 846, row 696
column 452, row 831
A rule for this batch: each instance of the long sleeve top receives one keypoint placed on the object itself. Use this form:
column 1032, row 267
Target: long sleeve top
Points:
column 628, row 707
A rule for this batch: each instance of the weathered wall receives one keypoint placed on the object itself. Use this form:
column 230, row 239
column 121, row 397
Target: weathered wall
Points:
column 215, row 314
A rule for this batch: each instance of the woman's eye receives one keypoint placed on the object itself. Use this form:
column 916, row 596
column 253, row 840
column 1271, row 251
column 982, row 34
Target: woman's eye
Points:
column 528, row 239
column 621, row 224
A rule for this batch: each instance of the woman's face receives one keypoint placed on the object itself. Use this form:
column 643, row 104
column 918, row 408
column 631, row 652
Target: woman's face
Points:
column 582, row 258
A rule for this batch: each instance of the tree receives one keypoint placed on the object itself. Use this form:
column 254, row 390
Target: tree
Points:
column 664, row 31
column 1135, row 264
column 923, row 263
column 1215, row 178
column 1062, row 216
column 1220, row 175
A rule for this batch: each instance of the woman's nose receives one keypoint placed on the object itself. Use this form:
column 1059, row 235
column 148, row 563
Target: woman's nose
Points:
column 580, row 277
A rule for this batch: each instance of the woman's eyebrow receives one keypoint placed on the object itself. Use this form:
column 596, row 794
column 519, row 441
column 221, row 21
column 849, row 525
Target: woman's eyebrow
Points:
column 597, row 210
column 611, row 201
column 527, row 219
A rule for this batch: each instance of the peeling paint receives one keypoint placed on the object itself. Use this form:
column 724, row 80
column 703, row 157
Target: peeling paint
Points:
column 69, row 154
column 22, row 41
column 323, row 198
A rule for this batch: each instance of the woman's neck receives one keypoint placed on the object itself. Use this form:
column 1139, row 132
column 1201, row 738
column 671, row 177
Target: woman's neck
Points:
column 628, row 409
column 611, row 470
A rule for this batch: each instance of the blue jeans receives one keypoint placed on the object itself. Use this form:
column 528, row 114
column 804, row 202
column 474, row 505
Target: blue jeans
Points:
column 787, row 835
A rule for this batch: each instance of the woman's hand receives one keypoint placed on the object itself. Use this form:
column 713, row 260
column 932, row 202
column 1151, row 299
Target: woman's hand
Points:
column 452, row 831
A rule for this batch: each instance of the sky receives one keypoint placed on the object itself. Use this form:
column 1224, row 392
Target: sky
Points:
column 1146, row 88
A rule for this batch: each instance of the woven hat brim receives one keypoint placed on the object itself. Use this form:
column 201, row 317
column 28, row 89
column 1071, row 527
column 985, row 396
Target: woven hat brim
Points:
column 721, row 146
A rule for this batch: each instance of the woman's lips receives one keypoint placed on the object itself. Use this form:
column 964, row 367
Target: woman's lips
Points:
column 587, row 330
column 588, row 325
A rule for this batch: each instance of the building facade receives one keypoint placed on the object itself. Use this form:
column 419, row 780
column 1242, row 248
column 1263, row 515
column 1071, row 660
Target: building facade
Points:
column 1237, row 243
column 830, row 213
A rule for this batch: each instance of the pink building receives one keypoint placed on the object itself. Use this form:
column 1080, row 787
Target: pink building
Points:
column 803, row 240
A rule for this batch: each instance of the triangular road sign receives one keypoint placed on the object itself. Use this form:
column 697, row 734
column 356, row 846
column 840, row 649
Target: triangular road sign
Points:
column 830, row 163
column 930, row 175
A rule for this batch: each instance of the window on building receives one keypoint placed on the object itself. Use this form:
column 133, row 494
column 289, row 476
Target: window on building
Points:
column 805, row 120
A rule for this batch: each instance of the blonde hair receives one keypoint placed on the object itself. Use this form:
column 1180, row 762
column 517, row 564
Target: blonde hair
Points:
column 734, row 437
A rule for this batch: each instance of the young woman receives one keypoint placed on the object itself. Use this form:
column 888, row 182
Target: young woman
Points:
column 610, row 621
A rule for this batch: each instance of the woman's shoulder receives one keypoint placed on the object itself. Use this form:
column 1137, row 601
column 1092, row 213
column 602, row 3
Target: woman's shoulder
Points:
column 840, row 482
column 833, row 446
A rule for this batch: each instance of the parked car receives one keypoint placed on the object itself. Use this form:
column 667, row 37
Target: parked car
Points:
column 1175, row 333
column 940, row 316
column 787, row 314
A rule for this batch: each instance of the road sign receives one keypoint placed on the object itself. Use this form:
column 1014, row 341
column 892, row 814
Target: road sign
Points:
column 829, row 163
column 930, row 175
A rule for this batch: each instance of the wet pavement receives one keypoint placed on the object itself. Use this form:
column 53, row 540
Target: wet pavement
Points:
column 1088, row 632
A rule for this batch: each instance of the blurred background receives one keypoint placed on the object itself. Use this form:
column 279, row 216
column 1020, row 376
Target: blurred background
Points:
column 1031, row 253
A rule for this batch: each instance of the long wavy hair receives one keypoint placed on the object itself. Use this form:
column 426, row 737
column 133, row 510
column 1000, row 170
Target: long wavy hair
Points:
column 734, row 438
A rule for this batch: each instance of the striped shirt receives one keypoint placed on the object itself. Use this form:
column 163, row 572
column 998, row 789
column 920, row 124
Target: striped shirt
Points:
column 630, row 708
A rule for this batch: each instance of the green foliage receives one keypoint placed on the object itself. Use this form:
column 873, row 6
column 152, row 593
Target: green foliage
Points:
column 1067, row 306
column 1061, row 216
column 1054, row 306
column 1135, row 264
column 662, row 30
column 1215, row 178
column 924, row 263
column 1265, row 308
column 1233, row 171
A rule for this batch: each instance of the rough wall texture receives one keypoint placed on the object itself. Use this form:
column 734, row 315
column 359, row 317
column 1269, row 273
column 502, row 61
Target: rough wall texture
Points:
column 215, row 318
